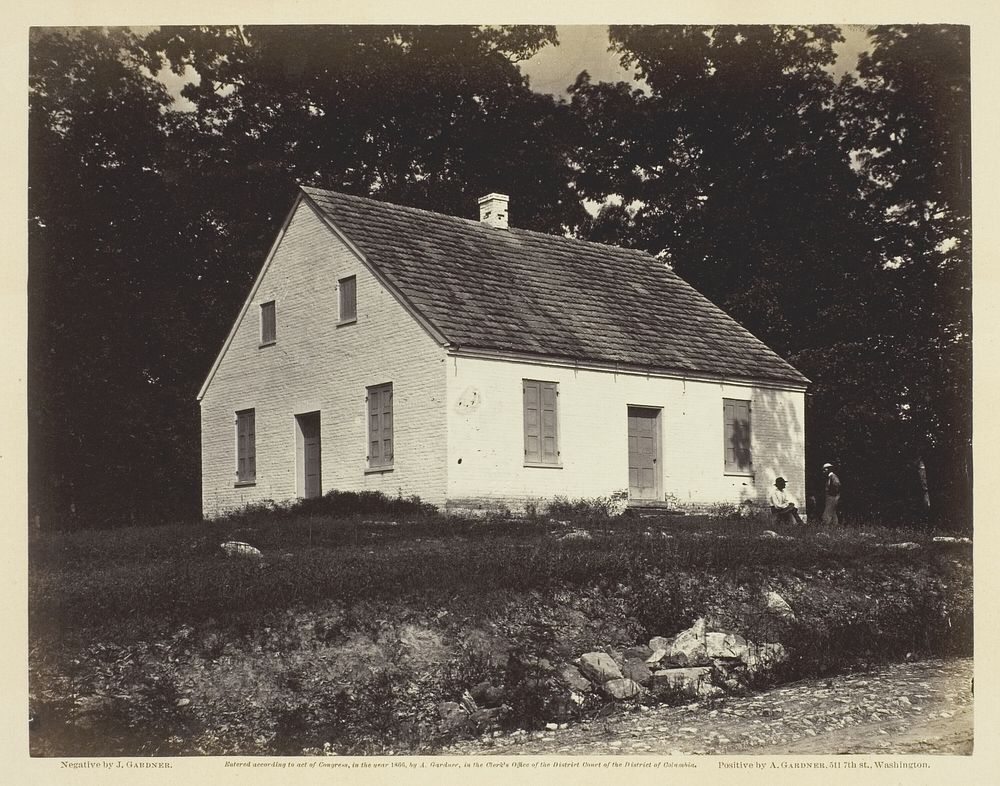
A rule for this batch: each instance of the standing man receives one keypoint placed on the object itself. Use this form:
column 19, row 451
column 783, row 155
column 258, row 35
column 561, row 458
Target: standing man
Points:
column 782, row 507
column 832, row 490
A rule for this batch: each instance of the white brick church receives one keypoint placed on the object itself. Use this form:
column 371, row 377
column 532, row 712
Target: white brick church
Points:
column 475, row 364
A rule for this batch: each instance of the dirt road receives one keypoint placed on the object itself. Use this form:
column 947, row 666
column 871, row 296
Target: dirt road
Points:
column 912, row 708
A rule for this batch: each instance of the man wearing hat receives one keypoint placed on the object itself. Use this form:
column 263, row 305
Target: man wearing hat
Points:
column 782, row 507
column 832, row 490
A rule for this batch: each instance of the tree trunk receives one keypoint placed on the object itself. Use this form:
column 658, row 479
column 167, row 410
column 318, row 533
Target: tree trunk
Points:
column 922, row 474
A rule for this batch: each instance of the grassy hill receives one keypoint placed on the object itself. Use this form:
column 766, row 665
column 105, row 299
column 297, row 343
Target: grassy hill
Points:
column 364, row 614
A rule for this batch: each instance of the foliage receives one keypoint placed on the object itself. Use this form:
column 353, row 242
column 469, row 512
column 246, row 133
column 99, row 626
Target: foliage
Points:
column 587, row 510
column 181, row 650
column 908, row 117
column 730, row 166
column 176, row 574
column 333, row 504
column 109, row 382
column 831, row 218
column 148, row 224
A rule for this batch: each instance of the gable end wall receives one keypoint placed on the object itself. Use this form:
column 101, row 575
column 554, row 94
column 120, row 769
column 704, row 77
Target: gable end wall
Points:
column 316, row 365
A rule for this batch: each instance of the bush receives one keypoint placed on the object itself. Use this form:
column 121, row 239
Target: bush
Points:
column 587, row 511
column 334, row 504
column 166, row 600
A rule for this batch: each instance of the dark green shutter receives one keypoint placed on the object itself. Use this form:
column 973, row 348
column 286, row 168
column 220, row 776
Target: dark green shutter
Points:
column 736, row 435
column 541, row 422
column 268, row 323
column 374, row 427
column 743, row 458
column 728, row 444
column 387, row 424
column 380, row 447
column 246, row 449
column 348, row 299
column 550, row 437
column 532, row 422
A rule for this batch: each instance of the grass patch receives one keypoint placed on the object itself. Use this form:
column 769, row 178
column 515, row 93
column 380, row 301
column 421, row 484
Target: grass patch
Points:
column 365, row 613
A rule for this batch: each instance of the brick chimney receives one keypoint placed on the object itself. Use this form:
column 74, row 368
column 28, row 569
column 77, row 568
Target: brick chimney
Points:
column 493, row 210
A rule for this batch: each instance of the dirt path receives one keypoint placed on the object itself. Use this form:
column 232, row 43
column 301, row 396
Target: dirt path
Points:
column 909, row 708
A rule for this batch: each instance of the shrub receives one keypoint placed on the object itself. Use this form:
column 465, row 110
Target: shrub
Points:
column 334, row 504
column 586, row 511
column 329, row 581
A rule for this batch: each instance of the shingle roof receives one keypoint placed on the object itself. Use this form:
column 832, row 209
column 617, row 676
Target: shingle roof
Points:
column 519, row 291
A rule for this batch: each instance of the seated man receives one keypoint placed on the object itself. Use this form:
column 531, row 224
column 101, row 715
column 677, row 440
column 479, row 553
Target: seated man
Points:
column 782, row 507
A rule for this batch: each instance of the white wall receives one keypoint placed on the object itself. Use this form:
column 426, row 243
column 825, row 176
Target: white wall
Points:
column 486, row 447
column 316, row 365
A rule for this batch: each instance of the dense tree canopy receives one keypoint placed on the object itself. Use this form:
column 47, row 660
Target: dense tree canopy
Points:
column 148, row 225
column 110, row 304
column 831, row 217
column 733, row 165
column 908, row 117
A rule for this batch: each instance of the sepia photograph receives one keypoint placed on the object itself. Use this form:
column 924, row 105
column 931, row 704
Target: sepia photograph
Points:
column 500, row 390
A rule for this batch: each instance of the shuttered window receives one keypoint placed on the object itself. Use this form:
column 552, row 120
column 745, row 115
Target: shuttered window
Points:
column 736, row 435
column 380, row 426
column 348, row 299
column 541, row 426
column 268, row 326
column 246, row 447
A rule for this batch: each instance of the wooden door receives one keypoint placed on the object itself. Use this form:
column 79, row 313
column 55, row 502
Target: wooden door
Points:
column 310, row 451
column 643, row 453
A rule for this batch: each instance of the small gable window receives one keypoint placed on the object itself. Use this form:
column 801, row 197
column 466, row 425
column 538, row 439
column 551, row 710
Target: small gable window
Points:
column 268, row 325
column 380, row 451
column 736, row 436
column 246, row 447
column 541, row 428
column 348, row 299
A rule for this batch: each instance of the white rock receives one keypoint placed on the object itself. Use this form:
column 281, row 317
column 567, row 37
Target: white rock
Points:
column 779, row 605
column 693, row 680
column 599, row 667
column 573, row 678
column 656, row 657
column 761, row 656
column 623, row 688
column 725, row 645
column 237, row 548
column 688, row 647
column 577, row 534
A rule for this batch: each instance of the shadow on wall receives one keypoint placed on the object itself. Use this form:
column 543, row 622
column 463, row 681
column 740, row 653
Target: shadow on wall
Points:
column 778, row 427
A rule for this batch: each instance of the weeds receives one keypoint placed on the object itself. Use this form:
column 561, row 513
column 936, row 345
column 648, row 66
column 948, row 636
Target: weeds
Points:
column 311, row 636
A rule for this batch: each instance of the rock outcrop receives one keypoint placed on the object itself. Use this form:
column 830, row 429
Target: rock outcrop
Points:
column 696, row 663
column 599, row 667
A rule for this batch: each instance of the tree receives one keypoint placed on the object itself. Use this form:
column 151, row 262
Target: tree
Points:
column 429, row 116
column 731, row 163
column 828, row 218
column 908, row 116
column 106, row 436
column 148, row 225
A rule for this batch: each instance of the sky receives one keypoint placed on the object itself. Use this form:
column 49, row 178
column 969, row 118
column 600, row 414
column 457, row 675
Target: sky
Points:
column 585, row 48
column 581, row 48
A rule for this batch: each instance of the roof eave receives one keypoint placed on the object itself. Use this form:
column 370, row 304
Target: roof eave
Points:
column 797, row 383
